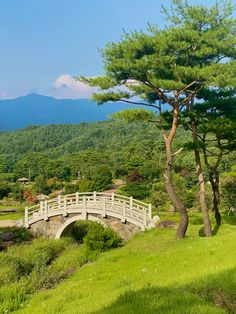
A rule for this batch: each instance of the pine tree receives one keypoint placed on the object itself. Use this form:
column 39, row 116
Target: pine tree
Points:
column 170, row 66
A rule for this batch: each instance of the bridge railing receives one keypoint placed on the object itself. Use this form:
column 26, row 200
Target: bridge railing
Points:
column 111, row 204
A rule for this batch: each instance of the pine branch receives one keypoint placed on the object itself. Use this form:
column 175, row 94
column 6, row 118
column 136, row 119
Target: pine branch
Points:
column 139, row 103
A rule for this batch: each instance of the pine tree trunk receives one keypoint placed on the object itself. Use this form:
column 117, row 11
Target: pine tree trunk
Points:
column 183, row 224
column 202, row 189
column 216, row 197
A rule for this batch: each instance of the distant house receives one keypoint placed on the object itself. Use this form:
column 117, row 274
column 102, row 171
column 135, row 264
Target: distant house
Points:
column 23, row 180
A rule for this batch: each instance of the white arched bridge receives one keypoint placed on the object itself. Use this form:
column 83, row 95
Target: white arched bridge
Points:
column 124, row 214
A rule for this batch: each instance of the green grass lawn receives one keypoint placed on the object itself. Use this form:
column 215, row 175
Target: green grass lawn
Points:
column 153, row 273
column 19, row 214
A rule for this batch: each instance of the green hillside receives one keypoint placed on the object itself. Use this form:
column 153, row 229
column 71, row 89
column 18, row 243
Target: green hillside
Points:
column 153, row 273
column 52, row 156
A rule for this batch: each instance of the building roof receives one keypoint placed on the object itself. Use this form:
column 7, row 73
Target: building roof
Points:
column 23, row 179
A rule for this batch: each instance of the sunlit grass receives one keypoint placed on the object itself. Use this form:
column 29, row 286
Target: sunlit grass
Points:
column 153, row 273
column 27, row 268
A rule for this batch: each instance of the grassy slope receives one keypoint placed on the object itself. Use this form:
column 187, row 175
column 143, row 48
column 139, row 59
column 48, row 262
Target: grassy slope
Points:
column 153, row 273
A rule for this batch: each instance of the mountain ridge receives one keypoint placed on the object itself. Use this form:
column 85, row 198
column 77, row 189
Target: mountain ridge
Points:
column 36, row 109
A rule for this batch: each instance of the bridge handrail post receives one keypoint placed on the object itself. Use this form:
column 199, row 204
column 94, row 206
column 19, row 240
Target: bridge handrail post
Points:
column 77, row 197
column 84, row 213
column 59, row 201
column 112, row 198
column 26, row 217
column 131, row 202
column 45, row 211
column 104, row 207
column 124, row 213
column 41, row 207
column 65, row 206
column 94, row 196
column 150, row 211
column 144, row 219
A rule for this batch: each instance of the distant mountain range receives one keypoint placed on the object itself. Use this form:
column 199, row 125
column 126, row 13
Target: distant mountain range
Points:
column 35, row 109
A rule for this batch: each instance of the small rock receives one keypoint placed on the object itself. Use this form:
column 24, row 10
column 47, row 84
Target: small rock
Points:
column 151, row 225
column 7, row 236
column 156, row 219
column 20, row 223
column 167, row 224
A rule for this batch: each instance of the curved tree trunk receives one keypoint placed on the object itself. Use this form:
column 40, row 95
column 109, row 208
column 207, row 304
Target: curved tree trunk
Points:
column 202, row 189
column 183, row 225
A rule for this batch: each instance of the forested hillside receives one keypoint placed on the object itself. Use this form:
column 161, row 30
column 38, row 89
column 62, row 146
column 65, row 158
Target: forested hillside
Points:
column 95, row 154
column 117, row 140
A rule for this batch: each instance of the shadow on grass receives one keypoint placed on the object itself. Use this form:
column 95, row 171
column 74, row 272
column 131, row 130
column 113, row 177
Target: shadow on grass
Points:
column 212, row 295
column 215, row 230
column 201, row 232
column 159, row 300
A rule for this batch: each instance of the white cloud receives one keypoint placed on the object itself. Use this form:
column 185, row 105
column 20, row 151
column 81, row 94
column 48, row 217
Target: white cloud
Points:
column 67, row 87
column 3, row 95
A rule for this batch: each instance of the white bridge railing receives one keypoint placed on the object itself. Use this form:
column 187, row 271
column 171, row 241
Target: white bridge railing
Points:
column 106, row 204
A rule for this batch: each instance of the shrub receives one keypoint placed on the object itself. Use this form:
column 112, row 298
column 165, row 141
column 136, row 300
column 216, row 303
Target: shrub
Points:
column 102, row 178
column 80, row 229
column 19, row 234
column 22, row 234
column 4, row 189
column 30, row 197
column 228, row 188
column 85, row 185
column 134, row 176
column 138, row 190
column 71, row 188
column 101, row 239
column 54, row 184
column 18, row 192
column 40, row 185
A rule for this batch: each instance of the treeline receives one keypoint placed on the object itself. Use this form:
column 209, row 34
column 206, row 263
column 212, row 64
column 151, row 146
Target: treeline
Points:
column 90, row 156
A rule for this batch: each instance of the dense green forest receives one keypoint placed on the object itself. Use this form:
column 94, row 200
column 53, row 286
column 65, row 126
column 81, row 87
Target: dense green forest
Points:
column 90, row 156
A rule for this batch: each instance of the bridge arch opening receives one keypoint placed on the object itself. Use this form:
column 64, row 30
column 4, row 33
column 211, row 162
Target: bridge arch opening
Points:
column 69, row 226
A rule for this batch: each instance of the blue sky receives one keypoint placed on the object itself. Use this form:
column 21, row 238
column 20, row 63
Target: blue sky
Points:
column 46, row 42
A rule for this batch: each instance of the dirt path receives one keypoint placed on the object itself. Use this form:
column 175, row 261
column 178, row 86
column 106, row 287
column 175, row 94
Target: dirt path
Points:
column 8, row 223
column 115, row 186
